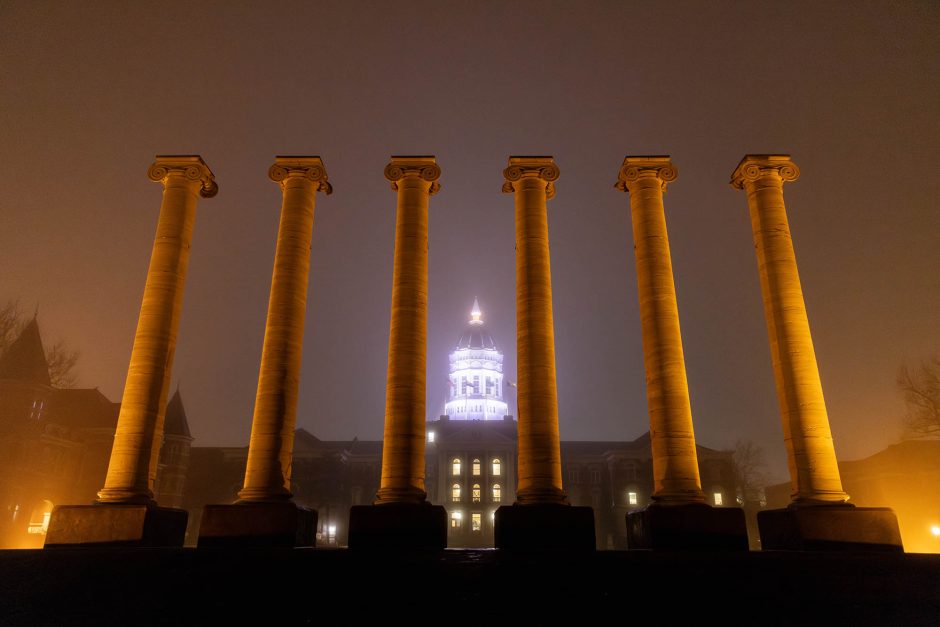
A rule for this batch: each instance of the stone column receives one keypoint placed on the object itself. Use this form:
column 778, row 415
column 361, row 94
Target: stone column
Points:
column 401, row 516
column 264, row 514
column 678, row 518
column 270, row 451
column 819, row 516
column 139, row 434
column 814, row 471
column 125, row 512
column 675, row 464
column 541, row 517
column 415, row 180
column 532, row 182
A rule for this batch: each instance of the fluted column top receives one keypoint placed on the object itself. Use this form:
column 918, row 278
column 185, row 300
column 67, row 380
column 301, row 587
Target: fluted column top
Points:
column 754, row 167
column 422, row 167
column 191, row 167
column 520, row 168
column 639, row 167
column 308, row 167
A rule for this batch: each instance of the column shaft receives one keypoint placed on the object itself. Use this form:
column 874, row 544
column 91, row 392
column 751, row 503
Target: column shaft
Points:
column 270, row 451
column 139, row 434
column 675, row 463
column 539, row 443
column 402, row 478
column 814, row 470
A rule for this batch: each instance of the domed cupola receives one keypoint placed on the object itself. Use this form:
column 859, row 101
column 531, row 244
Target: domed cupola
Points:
column 475, row 336
column 476, row 374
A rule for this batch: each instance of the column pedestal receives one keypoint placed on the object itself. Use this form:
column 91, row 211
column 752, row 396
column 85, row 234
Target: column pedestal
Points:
column 274, row 524
column 398, row 526
column 695, row 526
column 829, row 528
column 545, row 527
column 117, row 524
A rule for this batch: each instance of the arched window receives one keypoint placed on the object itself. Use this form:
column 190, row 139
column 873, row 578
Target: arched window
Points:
column 497, row 493
column 497, row 468
column 456, row 466
column 455, row 493
column 476, row 468
column 475, row 493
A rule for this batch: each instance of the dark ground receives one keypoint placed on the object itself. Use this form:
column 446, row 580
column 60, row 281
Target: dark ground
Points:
column 76, row 586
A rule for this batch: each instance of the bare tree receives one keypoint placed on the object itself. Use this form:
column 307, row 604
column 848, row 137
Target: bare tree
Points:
column 59, row 356
column 750, row 471
column 10, row 324
column 920, row 387
column 61, row 362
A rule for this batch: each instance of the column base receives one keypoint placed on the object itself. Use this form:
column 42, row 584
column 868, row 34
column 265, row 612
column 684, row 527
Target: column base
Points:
column 545, row 527
column 261, row 524
column 687, row 527
column 116, row 524
column 829, row 528
column 398, row 526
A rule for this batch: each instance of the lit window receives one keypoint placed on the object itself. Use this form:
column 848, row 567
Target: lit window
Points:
column 455, row 519
column 456, row 466
column 476, row 468
column 497, row 493
column 476, row 522
column 475, row 493
column 632, row 498
column 497, row 468
column 717, row 498
column 455, row 493
column 430, row 436
column 331, row 534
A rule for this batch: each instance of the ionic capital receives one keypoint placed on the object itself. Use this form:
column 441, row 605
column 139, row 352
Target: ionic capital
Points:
column 424, row 168
column 775, row 169
column 190, row 167
column 310, row 168
column 542, row 168
column 635, row 168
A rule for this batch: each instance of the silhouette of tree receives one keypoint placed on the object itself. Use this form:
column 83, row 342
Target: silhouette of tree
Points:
column 61, row 359
column 920, row 387
column 749, row 472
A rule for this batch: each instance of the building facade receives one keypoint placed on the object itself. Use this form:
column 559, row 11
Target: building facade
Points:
column 55, row 444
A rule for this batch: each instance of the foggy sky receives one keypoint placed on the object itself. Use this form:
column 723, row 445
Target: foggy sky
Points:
column 90, row 92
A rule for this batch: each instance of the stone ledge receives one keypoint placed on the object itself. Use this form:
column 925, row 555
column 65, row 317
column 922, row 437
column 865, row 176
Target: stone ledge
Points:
column 545, row 527
column 112, row 524
column 829, row 528
column 687, row 527
column 397, row 526
column 275, row 524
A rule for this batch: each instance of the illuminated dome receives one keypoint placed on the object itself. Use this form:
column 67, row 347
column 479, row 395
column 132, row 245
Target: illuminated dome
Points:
column 476, row 374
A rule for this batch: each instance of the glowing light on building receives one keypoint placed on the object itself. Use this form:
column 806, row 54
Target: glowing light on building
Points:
column 935, row 530
column 476, row 374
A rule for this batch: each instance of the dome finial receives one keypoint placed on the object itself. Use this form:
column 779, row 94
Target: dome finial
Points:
column 475, row 313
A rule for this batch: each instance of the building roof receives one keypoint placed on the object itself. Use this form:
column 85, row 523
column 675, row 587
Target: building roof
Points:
column 25, row 359
column 85, row 409
column 176, row 422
